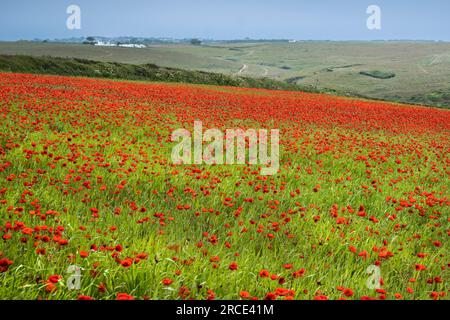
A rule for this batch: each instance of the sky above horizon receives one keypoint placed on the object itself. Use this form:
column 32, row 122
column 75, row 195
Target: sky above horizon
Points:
column 231, row 19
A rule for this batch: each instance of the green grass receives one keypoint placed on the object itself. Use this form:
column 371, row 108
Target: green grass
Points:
column 440, row 98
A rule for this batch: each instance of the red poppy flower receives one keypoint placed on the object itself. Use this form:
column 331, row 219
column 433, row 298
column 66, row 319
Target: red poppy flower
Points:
column 420, row 267
column 437, row 243
column 233, row 266
column 126, row 263
column 101, row 288
column 270, row 296
column 264, row 273
column 50, row 287
column 4, row 264
column 348, row 292
column 299, row 273
column 124, row 296
column 54, row 278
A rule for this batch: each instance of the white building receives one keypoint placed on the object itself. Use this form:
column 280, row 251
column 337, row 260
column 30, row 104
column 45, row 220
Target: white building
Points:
column 124, row 45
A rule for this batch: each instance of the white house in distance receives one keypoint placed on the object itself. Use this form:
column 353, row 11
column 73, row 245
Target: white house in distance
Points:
column 131, row 45
column 125, row 45
column 105, row 44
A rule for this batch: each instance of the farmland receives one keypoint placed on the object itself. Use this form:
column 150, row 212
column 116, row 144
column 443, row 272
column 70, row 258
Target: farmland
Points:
column 418, row 71
column 146, row 72
column 86, row 180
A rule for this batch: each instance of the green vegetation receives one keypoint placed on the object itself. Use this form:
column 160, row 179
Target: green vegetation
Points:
column 115, row 70
column 294, row 79
column 439, row 98
column 378, row 74
column 196, row 42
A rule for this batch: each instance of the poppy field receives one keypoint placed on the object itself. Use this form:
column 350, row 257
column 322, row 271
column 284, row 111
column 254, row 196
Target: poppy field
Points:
column 88, row 193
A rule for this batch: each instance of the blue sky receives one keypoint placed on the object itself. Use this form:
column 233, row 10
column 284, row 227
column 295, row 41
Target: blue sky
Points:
column 227, row 19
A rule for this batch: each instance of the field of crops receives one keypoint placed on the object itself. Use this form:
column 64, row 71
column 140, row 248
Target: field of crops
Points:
column 86, row 181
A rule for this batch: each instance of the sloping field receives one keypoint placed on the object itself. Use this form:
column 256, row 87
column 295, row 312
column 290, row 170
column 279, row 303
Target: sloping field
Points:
column 419, row 71
column 88, row 189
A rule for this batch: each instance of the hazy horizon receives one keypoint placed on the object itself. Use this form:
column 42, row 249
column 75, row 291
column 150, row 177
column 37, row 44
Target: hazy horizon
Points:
column 224, row 40
column 326, row 20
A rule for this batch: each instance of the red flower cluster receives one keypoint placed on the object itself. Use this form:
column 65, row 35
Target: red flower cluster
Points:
column 86, row 179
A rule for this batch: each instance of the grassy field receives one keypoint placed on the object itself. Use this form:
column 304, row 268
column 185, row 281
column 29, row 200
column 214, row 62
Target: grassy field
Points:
column 420, row 70
column 87, row 183
column 184, row 57
column 125, row 71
